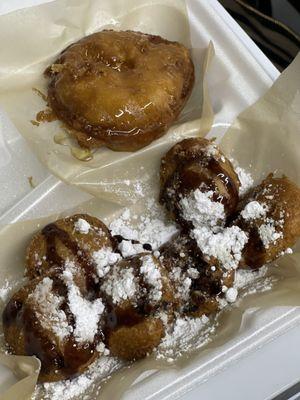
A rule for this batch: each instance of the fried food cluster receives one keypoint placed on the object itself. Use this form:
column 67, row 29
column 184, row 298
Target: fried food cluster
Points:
column 120, row 89
column 82, row 299
column 89, row 293
column 221, row 231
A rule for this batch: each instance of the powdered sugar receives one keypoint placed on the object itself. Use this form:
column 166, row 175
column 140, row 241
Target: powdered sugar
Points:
column 183, row 335
column 226, row 245
column 245, row 277
column 5, row 290
column 200, row 209
column 48, row 310
column 81, row 386
column 152, row 228
column 82, row 226
column 103, row 260
column 268, row 234
column 245, row 179
column 128, row 249
column 231, row 295
column 182, row 283
column 87, row 313
column 152, row 277
column 211, row 150
column 193, row 273
column 254, row 210
column 121, row 285
column 102, row 349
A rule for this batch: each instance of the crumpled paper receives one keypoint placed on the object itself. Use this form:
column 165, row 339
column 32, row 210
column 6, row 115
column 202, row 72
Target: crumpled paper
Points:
column 26, row 369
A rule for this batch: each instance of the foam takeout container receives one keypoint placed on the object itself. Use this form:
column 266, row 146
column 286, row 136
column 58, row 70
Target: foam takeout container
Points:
column 238, row 76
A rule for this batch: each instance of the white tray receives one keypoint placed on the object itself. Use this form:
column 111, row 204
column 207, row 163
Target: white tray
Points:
column 239, row 75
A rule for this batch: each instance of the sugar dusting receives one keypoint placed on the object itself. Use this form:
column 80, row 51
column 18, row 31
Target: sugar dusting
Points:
column 121, row 285
column 184, row 334
column 86, row 313
column 153, row 228
column 5, row 290
column 127, row 248
column 199, row 208
column 254, row 210
column 83, row 385
column 47, row 309
column 245, row 178
column 268, row 233
column 82, row 226
column 103, row 259
column 152, row 277
column 226, row 245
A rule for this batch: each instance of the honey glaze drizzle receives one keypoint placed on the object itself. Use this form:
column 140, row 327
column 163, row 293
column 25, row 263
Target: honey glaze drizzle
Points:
column 81, row 154
column 61, row 138
column 46, row 115
column 34, row 122
column 41, row 94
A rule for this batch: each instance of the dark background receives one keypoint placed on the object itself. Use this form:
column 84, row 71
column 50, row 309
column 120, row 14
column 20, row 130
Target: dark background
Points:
column 274, row 25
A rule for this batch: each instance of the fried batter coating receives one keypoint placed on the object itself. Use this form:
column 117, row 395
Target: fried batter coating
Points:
column 132, row 342
column 192, row 167
column 120, row 89
column 270, row 214
column 73, row 238
column 135, row 289
column 39, row 320
column 197, row 283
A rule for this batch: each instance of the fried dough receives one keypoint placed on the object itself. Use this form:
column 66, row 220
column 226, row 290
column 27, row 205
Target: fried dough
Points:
column 120, row 89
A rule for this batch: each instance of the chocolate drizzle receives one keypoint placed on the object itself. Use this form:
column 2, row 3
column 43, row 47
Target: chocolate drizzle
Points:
column 51, row 233
column 205, row 174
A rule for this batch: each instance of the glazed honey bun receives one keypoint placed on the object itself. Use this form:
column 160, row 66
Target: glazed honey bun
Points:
column 120, row 89
column 194, row 173
column 270, row 214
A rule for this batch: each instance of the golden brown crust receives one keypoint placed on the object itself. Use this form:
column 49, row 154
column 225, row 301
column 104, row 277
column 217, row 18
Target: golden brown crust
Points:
column 281, row 199
column 196, row 163
column 37, row 259
column 120, row 89
column 137, row 341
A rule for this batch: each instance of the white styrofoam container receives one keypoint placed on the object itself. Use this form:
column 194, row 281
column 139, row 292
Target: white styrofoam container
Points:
column 259, row 362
